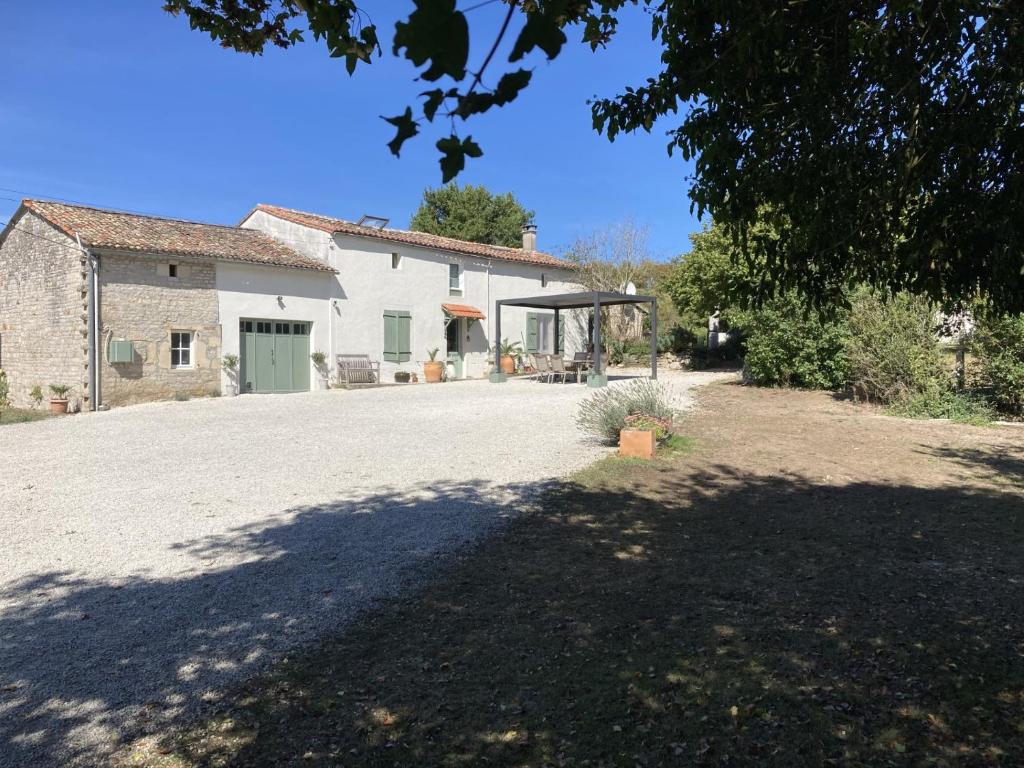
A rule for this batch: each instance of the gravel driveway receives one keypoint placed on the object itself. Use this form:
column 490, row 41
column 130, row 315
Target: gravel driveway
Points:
column 153, row 553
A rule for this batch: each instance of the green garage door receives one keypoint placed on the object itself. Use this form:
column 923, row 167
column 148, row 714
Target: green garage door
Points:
column 275, row 356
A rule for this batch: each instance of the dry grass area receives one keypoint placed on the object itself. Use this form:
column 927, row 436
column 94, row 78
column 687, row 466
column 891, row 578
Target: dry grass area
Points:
column 813, row 584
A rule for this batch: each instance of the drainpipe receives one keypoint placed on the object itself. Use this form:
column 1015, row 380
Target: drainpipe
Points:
column 93, row 335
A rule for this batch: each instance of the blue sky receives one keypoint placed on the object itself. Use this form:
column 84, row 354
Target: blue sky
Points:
column 127, row 107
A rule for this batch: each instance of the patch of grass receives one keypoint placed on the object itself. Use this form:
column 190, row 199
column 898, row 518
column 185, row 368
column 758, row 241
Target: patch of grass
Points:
column 182, row 397
column 676, row 445
column 614, row 468
column 961, row 407
column 21, row 415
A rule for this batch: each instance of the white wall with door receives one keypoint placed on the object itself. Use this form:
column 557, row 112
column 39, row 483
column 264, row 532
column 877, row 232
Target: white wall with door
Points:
column 278, row 295
column 379, row 279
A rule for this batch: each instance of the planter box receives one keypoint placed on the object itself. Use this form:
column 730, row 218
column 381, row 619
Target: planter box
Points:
column 637, row 443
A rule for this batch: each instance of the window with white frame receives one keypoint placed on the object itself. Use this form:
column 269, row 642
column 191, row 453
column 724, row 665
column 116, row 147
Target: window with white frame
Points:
column 181, row 349
column 454, row 280
column 396, row 261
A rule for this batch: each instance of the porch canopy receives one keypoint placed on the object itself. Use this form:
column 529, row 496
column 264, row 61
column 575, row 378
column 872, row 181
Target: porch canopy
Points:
column 584, row 300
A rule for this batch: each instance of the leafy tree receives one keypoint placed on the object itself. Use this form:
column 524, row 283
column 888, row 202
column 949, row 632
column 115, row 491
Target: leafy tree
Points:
column 472, row 213
column 893, row 349
column 888, row 134
column 788, row 347
column 999, row 343
column 609, row 260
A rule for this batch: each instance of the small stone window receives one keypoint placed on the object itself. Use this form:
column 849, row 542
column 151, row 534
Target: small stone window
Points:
column 172, row 271
column 396, row 261
column 181, row 349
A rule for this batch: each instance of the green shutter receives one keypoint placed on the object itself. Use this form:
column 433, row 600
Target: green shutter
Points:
column 404, row 337
column 531, row 332
column 391, row 337
column 397, row 336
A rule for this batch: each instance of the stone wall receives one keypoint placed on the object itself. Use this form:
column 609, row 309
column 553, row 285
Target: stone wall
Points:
column 43, row 317
column 140, row 303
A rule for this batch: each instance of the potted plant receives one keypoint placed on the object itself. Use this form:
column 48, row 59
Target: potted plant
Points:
column 59, row 401
column 229, row 363
column 402, row 377
column 511, row 352
column 36, row 393
column 641, row 435
column 320, row 363
column 433, row 369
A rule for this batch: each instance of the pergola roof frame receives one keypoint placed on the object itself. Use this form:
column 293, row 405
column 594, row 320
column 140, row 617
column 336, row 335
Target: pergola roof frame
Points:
column 582, row 300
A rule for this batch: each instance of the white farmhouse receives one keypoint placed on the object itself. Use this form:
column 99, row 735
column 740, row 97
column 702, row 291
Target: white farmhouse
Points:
column 124, row 308
column 399, row 294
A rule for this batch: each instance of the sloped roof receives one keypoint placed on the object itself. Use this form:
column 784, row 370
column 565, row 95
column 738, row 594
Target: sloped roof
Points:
column 422, row 239
column 463, row 310
column 100, row 228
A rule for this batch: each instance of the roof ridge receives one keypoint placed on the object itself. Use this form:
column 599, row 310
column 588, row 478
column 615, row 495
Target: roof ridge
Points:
column 118, row 212
column 511, row 249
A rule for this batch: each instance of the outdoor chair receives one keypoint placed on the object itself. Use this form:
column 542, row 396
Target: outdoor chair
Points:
column 581, row 362
column 543, row 365
column 557, row 368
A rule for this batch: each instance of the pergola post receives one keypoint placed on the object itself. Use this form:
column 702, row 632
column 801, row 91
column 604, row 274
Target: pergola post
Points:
column 654, row 338
column 597, row 377
column 558, row 321
column 497, row 377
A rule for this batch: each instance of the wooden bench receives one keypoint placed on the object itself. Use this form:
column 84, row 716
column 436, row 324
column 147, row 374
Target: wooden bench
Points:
column 357, row 369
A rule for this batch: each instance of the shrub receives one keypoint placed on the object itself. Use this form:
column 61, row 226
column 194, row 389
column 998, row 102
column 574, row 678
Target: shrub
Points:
column 36, row 393
column 999, row 343
column 945, row 403
column 790, row 347
column 604, row 414
column 5, row 390
column 893, row 351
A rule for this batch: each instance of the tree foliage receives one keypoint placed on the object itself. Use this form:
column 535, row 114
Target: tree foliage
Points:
column 893, row 349
column 999, row 343
column 888, row 135
column 472, row 213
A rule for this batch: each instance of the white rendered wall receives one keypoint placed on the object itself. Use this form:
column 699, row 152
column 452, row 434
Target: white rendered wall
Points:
column 251, row 291
column 366, row 286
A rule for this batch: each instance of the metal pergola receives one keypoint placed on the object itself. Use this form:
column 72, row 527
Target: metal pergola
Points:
column 584, row 300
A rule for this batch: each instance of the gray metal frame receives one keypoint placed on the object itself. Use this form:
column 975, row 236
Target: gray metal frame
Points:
column 582, row 300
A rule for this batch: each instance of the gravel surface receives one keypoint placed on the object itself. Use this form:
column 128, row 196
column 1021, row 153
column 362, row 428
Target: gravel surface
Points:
column 153, row 553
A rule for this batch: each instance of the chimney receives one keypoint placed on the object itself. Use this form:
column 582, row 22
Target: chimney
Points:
column 529, row 237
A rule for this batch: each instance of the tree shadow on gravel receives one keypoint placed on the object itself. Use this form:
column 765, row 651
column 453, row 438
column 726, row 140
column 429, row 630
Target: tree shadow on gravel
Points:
column 84, row 663
column 695, row 618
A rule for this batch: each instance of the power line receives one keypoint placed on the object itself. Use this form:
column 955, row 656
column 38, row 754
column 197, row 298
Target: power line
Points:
column 479, row 5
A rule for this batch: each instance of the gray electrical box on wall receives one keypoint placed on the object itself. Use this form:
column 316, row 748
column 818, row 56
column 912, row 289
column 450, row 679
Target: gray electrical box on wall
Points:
column 121, row 352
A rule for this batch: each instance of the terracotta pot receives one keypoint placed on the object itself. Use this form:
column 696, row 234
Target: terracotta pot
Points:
column 432, row 371
column 508, row 364
column 637, row 443
column 58, row 405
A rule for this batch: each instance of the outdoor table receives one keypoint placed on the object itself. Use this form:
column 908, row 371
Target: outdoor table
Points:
column 579, row 366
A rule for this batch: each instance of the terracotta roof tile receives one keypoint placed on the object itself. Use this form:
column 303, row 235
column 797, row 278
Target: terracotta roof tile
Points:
column 423, row 239
column 99, row 228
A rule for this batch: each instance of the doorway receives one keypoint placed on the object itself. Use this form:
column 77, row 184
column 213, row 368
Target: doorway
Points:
column 453, row 345
column 275, row 356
